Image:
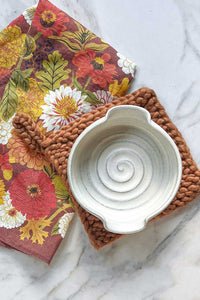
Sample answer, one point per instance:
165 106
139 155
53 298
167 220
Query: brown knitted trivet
56 147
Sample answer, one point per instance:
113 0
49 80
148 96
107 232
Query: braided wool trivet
56 147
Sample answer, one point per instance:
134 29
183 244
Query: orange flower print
33 194
23 154
30 102
98 68
3 72
49 19
11 40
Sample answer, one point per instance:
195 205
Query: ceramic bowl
124 169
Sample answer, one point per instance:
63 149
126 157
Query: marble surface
163 261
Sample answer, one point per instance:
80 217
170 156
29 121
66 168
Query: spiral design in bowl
122 170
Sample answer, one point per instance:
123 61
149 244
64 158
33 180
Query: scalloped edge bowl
124 169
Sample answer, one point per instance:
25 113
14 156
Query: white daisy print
103 96
5 130
64 223
9 216
128 67
63 106
29 13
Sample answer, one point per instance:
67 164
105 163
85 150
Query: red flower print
98 68
4 162
49 19
33 194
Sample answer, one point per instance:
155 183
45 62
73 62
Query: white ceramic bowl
124 169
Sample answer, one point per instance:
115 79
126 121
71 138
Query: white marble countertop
163 261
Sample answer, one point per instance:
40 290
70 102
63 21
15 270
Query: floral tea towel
54 70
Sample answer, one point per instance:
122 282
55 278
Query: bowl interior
124 167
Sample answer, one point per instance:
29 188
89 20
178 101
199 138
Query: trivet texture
56 147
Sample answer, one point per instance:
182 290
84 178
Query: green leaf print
53 73
9 101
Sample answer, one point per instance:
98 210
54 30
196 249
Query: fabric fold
54 70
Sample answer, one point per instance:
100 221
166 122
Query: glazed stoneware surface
161 262
124 169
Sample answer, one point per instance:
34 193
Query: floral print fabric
54 70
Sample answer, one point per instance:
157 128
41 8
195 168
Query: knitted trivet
56 147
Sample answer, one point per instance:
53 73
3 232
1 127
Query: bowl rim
146 115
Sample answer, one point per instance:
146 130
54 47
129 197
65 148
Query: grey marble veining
163 261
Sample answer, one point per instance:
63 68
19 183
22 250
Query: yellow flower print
23 154
34 230
11 41
2 191
30 102
41 128
7 174
119 90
